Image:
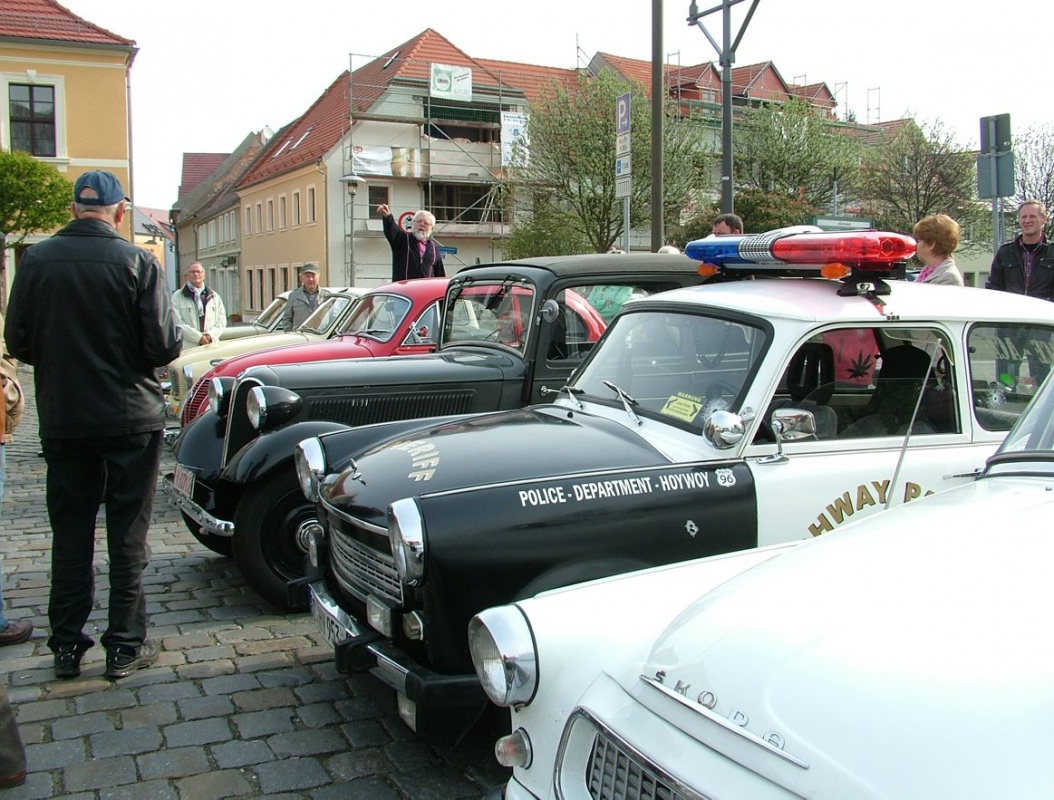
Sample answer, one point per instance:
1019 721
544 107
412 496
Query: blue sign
622 118
447 251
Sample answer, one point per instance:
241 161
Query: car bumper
209 524
359 648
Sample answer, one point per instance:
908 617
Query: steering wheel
720 388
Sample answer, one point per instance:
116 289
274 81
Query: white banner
513 132
399 162
451 83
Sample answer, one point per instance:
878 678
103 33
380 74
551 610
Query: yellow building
64 84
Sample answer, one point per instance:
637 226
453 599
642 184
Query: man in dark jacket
92 314
414 254
1025 266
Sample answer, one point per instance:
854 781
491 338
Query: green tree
760 211
1034 168
794 150
34 197
571 159
548 230
921 170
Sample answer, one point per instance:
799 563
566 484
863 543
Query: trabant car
707 420
193 362
395 319
907 656
512 334
267 321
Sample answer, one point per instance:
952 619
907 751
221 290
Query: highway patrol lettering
587 491
866 495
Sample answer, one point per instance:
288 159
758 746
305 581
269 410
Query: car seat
897 387
810 384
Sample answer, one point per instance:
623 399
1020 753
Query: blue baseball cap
98 188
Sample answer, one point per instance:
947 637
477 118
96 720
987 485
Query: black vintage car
512 335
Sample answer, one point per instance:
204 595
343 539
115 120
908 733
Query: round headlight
218 399
188 375
504 654
256 407
310 461
407 533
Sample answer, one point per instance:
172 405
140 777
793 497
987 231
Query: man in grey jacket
91 313
303 300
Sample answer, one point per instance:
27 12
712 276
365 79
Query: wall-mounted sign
451 83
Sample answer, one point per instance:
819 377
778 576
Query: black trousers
119 472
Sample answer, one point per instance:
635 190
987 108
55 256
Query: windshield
494 312
272 315
1035 428
377 316
328 312
674 366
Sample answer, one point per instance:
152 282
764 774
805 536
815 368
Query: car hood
206 354
300 353
485 450
914 644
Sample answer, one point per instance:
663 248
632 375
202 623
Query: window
296 209
311 204
251 285
32 117
248 221
463 202
378 195
281 212
260 288
270 215
259 218
1007 366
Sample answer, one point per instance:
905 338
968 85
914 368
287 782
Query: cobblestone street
243 702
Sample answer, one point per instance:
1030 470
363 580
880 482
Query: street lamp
352 181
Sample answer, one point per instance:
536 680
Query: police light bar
804 246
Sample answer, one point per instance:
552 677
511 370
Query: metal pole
993 156
658 99
625 224
351 239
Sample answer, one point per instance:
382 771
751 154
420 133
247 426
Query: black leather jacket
1008 271
91 312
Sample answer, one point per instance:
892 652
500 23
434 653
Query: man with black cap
303 300
91 313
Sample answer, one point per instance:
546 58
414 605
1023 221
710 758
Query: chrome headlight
270 406
220 395
188 375
504 654
407 533
310 461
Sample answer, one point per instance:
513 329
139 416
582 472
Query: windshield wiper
627 402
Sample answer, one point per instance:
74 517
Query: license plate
183 481
334 623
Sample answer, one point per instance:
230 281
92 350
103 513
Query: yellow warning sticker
683 407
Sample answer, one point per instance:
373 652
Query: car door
892 424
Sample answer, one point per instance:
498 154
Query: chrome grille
365 410
362 570
616 773
194 399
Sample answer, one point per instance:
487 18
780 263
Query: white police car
906 656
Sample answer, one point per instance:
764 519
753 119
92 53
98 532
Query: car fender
199 446
273 450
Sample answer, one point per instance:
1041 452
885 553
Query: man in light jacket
199 310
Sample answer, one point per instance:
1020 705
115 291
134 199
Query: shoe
11 781
16 632
68 660
123 661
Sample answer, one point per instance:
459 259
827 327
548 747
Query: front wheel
272 524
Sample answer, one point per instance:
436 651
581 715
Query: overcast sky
210 71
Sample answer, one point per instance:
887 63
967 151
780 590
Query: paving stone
353 764
360 789
153 715
223 783
203 731
55 755
81 725
264 698
307 743
228 684
264 723
105 701
202 707
145 790
241 753
291 775
177 762
317 715
100 774
125 743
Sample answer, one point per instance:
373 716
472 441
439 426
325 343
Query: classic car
708 419
193 362
904 657
395 319
267 321
512 333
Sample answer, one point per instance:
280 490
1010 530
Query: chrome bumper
209 524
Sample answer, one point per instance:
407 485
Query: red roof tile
196 168
531 79
47 20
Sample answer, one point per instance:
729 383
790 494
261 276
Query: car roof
590 264
817 300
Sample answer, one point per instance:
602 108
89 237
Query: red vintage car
395 319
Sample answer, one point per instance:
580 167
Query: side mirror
550 310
